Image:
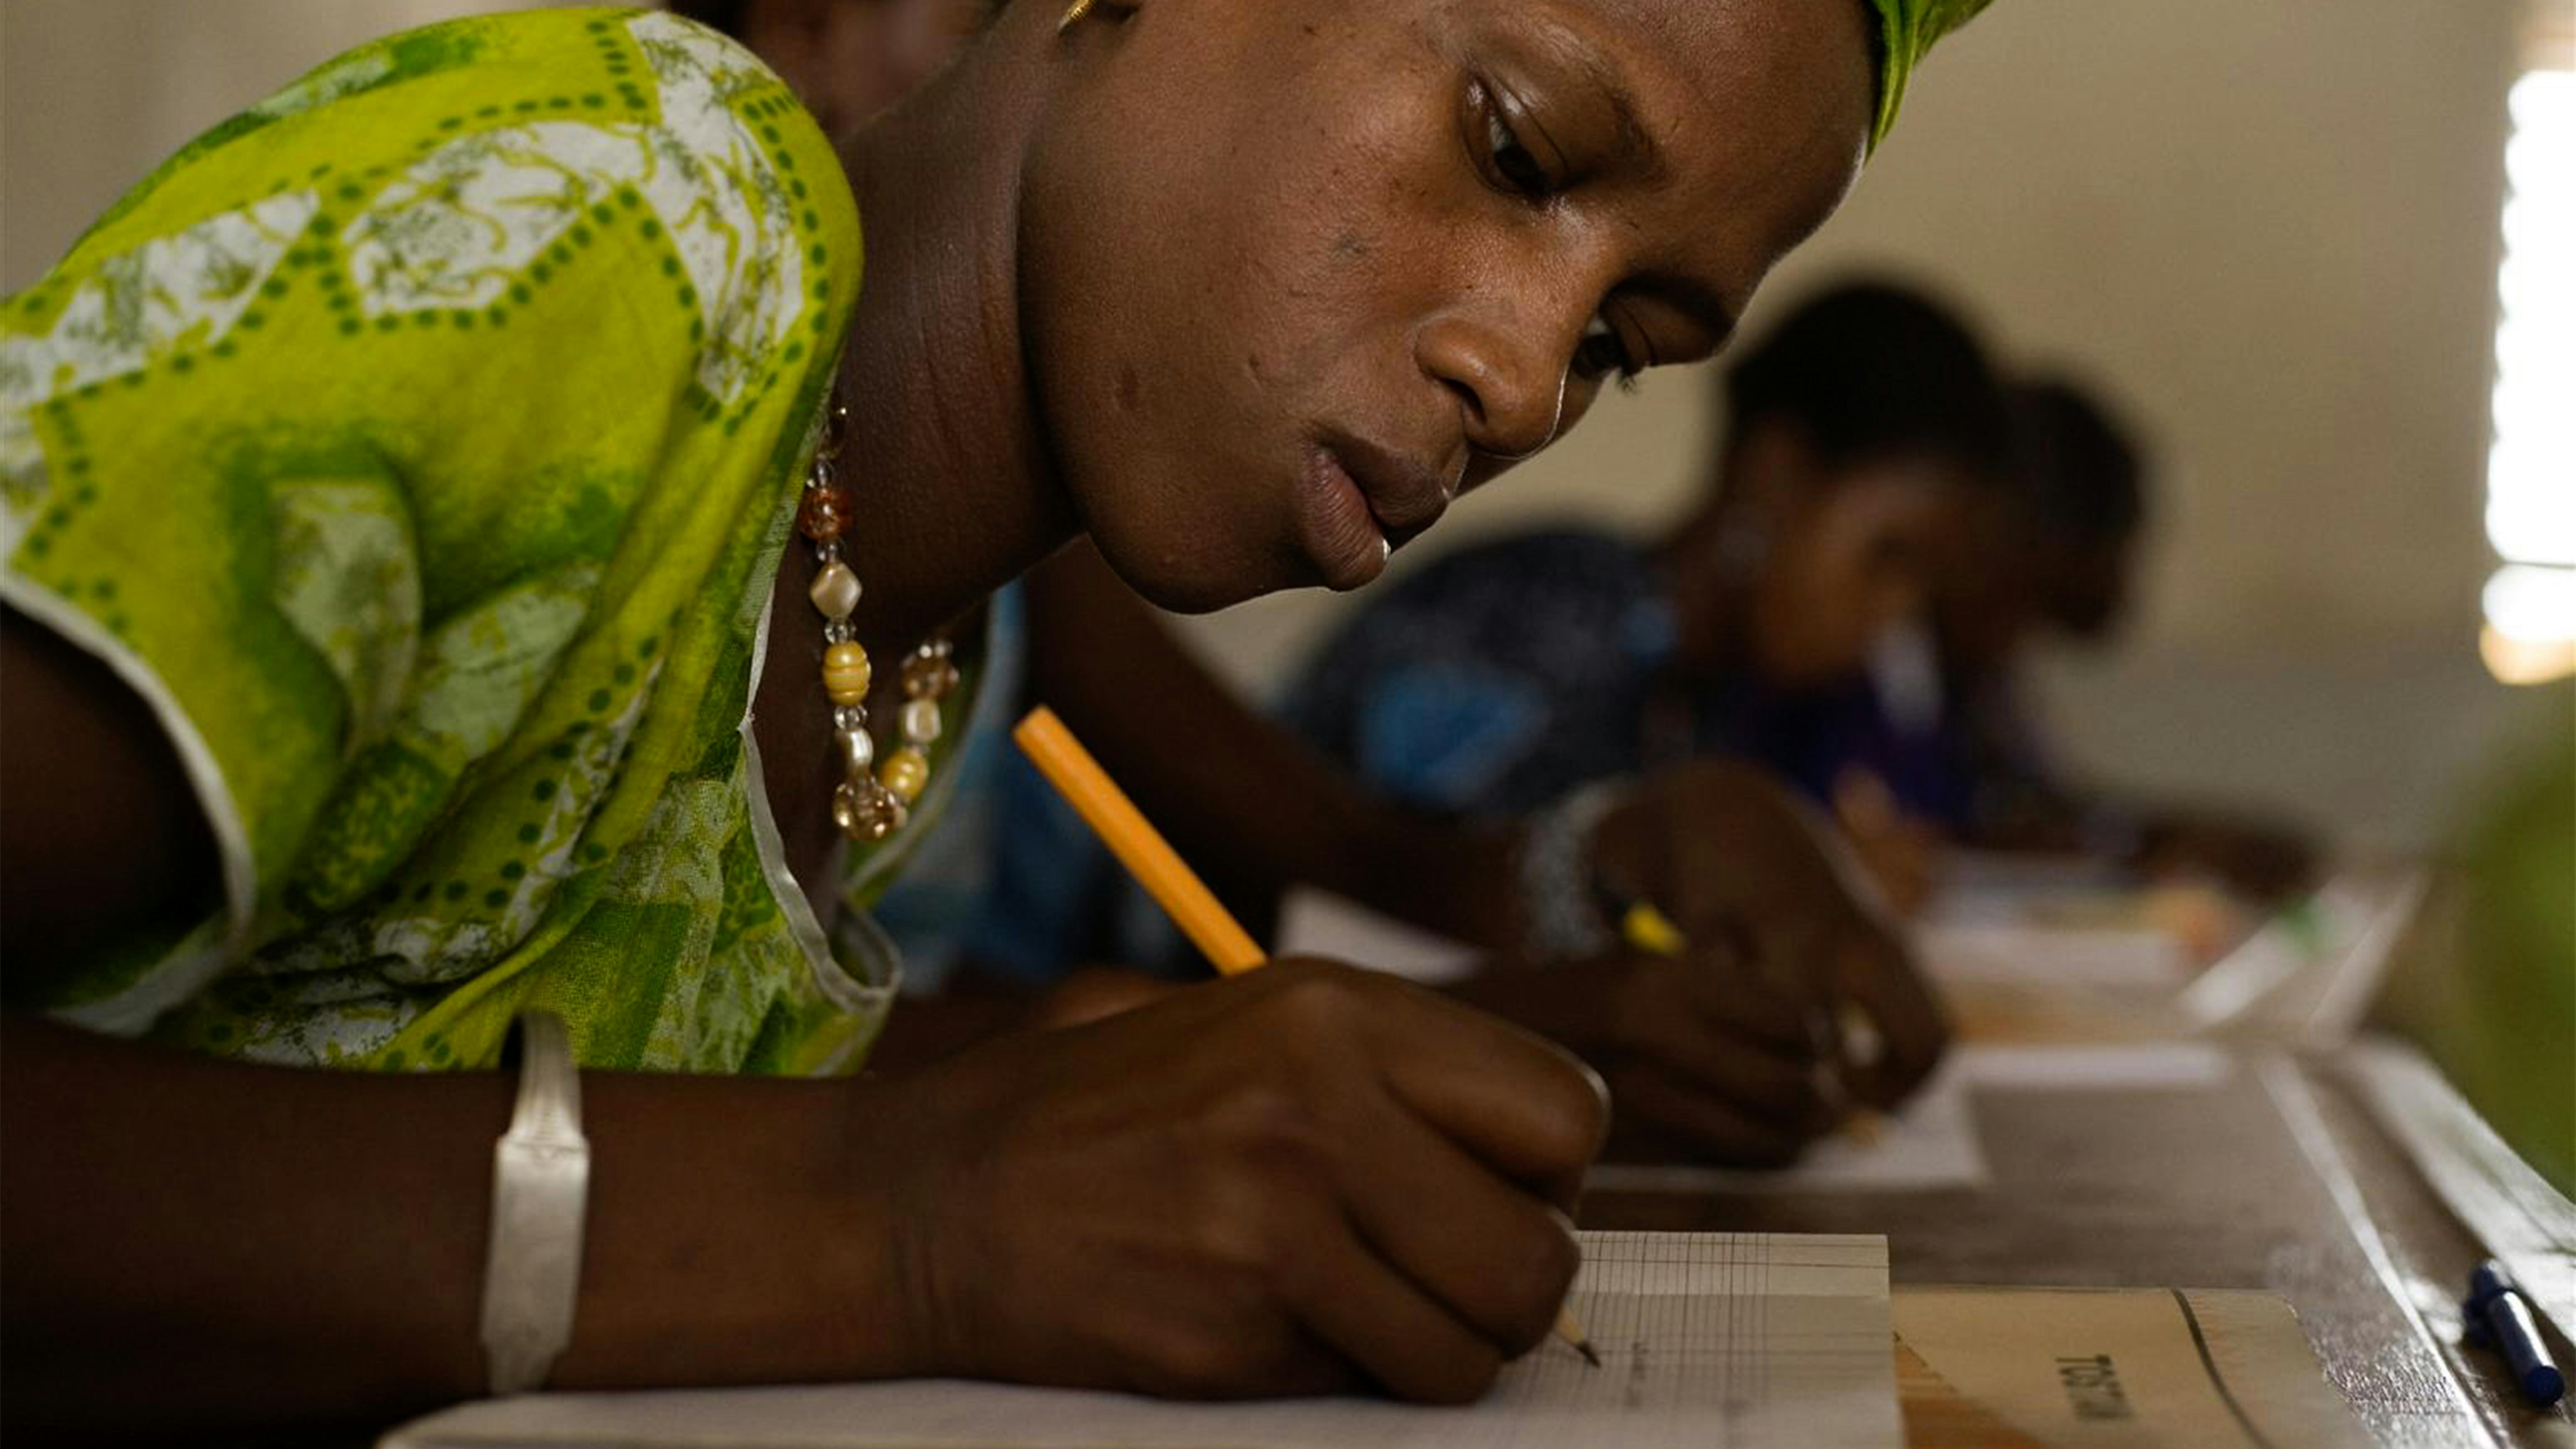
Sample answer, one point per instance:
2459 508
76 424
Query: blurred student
1501 678
1954 748
1257 811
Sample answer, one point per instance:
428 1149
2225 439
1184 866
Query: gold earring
1073 14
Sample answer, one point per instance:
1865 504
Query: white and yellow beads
874 798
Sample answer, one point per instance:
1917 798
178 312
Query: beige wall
2273 225
2270 225
93 93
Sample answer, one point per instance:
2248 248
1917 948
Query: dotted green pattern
420 445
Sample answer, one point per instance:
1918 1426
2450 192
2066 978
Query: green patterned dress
419 446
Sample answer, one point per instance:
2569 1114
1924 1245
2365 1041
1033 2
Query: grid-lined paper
1727 1339
1707 1340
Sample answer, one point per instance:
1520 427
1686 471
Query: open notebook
1707 1340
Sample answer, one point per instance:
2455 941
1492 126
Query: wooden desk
2277 1179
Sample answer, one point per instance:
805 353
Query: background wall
94 93
2267 226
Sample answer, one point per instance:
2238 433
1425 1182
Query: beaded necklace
874 798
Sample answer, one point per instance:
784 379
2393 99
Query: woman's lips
1334 524
1406 496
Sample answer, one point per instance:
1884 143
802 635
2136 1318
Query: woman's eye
1600 352
1512 161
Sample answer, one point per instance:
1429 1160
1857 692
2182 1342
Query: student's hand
1901 854
1770 899
1097 991
1704 1061
1303 1179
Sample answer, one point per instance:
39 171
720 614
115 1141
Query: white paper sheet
1928 1146
1708 1341
1319 923
2094 1067
2108 957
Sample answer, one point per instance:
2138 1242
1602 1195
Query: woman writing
404 636
999 914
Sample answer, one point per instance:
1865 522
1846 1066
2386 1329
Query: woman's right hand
1303 1179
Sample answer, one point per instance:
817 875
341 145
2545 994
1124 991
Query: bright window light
2512 661
2531 470
2532 603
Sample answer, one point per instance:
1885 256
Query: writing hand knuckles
1570 1118
1536 1276
1317 1002
1272 1131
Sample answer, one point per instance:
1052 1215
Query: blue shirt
1502 677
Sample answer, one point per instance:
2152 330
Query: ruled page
1707 1340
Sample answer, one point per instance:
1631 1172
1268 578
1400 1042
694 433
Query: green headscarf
1906 30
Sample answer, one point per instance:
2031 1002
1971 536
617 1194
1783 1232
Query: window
2530 633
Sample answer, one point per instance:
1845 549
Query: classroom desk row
2277 1177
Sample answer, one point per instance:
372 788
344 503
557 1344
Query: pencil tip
1585 1348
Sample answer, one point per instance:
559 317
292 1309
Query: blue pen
2499 1316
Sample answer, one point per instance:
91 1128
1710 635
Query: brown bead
867 811
927 676
820 516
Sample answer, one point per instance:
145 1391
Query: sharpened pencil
1137 844
1571 1330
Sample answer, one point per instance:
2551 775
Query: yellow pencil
1137 844
1649 930
1164 875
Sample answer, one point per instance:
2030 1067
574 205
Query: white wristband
540 1190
